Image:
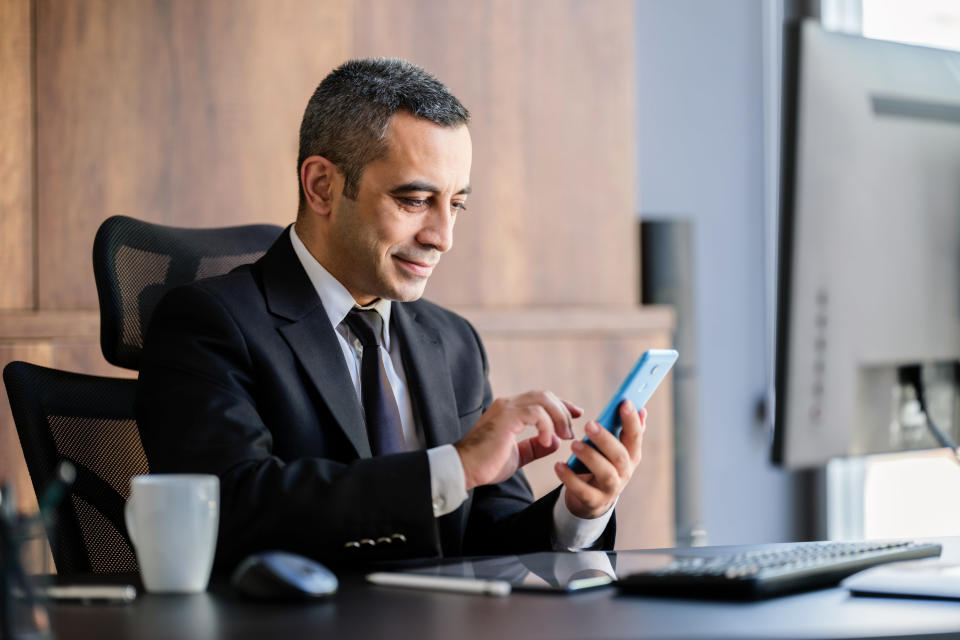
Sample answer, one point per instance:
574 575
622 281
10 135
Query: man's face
386 243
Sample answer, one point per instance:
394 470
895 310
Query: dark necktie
384 428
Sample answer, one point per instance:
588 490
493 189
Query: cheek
357 242
396 232
379 230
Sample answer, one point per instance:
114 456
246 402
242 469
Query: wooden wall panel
16 155
158 110
550 87
177 112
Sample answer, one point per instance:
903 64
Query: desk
365 611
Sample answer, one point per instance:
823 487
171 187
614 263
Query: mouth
415 267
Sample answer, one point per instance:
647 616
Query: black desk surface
361 610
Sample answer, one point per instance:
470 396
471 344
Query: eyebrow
417 185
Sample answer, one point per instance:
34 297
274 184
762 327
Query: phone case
637 387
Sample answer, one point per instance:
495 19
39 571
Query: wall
701 158
187 113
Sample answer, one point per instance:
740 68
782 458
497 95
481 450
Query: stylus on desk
441 583
91 593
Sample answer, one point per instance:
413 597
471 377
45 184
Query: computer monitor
869 274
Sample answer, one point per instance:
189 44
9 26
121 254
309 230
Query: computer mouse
280 575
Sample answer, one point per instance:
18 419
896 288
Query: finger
634 425
536 415
559 417
578 485
605 475
531 449
574 410
611 448
562 420
565 414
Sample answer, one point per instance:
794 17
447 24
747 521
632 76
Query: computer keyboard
771 571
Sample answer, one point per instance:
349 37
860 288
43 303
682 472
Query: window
934 23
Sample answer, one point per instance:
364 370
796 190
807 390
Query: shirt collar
336 300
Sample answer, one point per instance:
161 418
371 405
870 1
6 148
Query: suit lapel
315 344
428 375
291 295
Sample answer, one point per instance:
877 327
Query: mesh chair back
136 262
87 420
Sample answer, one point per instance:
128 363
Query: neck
314 242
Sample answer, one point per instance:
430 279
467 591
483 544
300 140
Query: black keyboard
770 571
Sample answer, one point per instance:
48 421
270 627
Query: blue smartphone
639 385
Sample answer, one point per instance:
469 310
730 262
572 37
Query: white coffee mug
172 520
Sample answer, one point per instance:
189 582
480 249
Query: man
347 419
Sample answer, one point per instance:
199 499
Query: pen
441 583
119 594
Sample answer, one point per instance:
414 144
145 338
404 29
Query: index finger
565 411
634 424
559 414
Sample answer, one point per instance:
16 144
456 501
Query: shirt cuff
572 533
448 485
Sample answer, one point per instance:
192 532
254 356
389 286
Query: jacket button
368 542
384 540
399 537
353 544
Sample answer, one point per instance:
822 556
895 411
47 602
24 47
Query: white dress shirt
447 481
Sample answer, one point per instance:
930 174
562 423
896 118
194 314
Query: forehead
420 149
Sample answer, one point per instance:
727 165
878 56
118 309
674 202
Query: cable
911 375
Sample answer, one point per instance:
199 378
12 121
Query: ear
321 180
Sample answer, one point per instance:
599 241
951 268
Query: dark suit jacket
242 376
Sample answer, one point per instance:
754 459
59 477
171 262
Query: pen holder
24 566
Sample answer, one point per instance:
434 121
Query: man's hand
590 495
490 452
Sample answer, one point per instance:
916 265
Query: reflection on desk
533 571
362 610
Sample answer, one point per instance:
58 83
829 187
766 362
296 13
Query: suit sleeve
504 518
197 410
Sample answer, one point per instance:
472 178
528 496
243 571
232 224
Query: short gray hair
347 116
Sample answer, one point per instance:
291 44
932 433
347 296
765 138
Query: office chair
87 420
136 262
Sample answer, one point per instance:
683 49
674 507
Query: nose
437 231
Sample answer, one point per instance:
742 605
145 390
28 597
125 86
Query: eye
459 206
412 204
